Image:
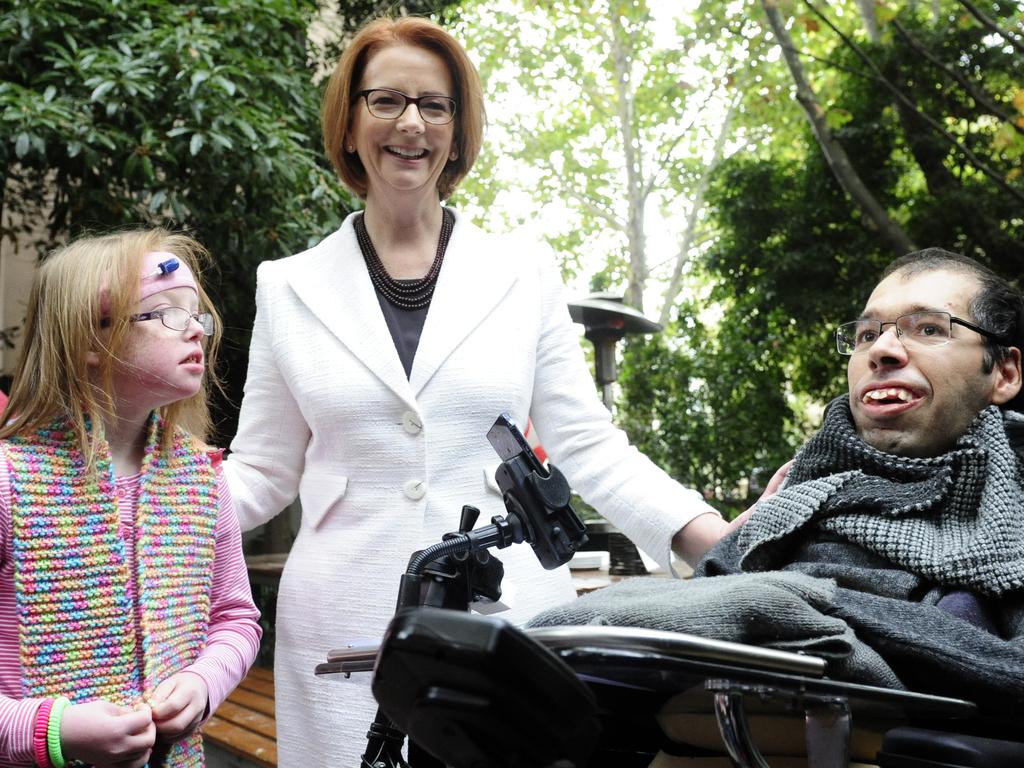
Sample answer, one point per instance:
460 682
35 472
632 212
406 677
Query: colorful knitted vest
71 575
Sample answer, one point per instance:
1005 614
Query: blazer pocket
318 495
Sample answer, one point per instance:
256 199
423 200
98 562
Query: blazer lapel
473 280
334 284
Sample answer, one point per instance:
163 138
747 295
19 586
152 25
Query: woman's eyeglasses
391 105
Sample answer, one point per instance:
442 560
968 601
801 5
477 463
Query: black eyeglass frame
205 319
1001 340
364 95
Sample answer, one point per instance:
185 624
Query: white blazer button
411 422
415 489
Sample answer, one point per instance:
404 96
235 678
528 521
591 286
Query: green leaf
156 201
225 84
247 129
21 145
884 13
102 90
49 93
837 117
220 140
198 78
196 143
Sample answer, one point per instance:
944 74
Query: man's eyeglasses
924 329
177 318
391 105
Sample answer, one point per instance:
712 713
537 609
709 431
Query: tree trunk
696 205
635 188
867 13
835 155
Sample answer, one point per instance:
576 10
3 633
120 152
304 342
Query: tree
613 136
949 96
711 403
929 112
838 160
203 116
624 126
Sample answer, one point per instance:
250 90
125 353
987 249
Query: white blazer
382 464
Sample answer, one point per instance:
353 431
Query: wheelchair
473 691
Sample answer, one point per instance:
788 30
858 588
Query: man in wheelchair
895 548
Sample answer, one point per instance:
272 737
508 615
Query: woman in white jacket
380 358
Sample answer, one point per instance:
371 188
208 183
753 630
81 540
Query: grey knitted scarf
953 519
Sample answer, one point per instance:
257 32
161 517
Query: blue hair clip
164 268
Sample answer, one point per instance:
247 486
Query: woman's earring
453 155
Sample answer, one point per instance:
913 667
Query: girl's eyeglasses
177 318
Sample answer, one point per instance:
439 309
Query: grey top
406 326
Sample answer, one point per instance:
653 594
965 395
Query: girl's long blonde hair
87 282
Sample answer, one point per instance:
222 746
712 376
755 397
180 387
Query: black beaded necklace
405 294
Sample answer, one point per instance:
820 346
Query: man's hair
998 307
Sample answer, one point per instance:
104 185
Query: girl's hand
107 736
179 703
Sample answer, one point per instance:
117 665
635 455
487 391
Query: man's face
915 400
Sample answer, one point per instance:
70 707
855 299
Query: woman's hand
107 736
770 490
179 703
703 532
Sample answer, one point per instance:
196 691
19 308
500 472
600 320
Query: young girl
125 611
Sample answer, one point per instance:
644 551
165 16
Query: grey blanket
787 611
874 542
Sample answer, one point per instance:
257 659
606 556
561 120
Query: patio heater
606 320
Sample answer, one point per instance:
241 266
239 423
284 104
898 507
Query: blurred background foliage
689 156
195 115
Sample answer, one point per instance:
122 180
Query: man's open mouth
888 395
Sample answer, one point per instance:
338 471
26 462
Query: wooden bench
242 732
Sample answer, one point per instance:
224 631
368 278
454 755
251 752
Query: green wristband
53 732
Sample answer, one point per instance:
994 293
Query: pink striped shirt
234 634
